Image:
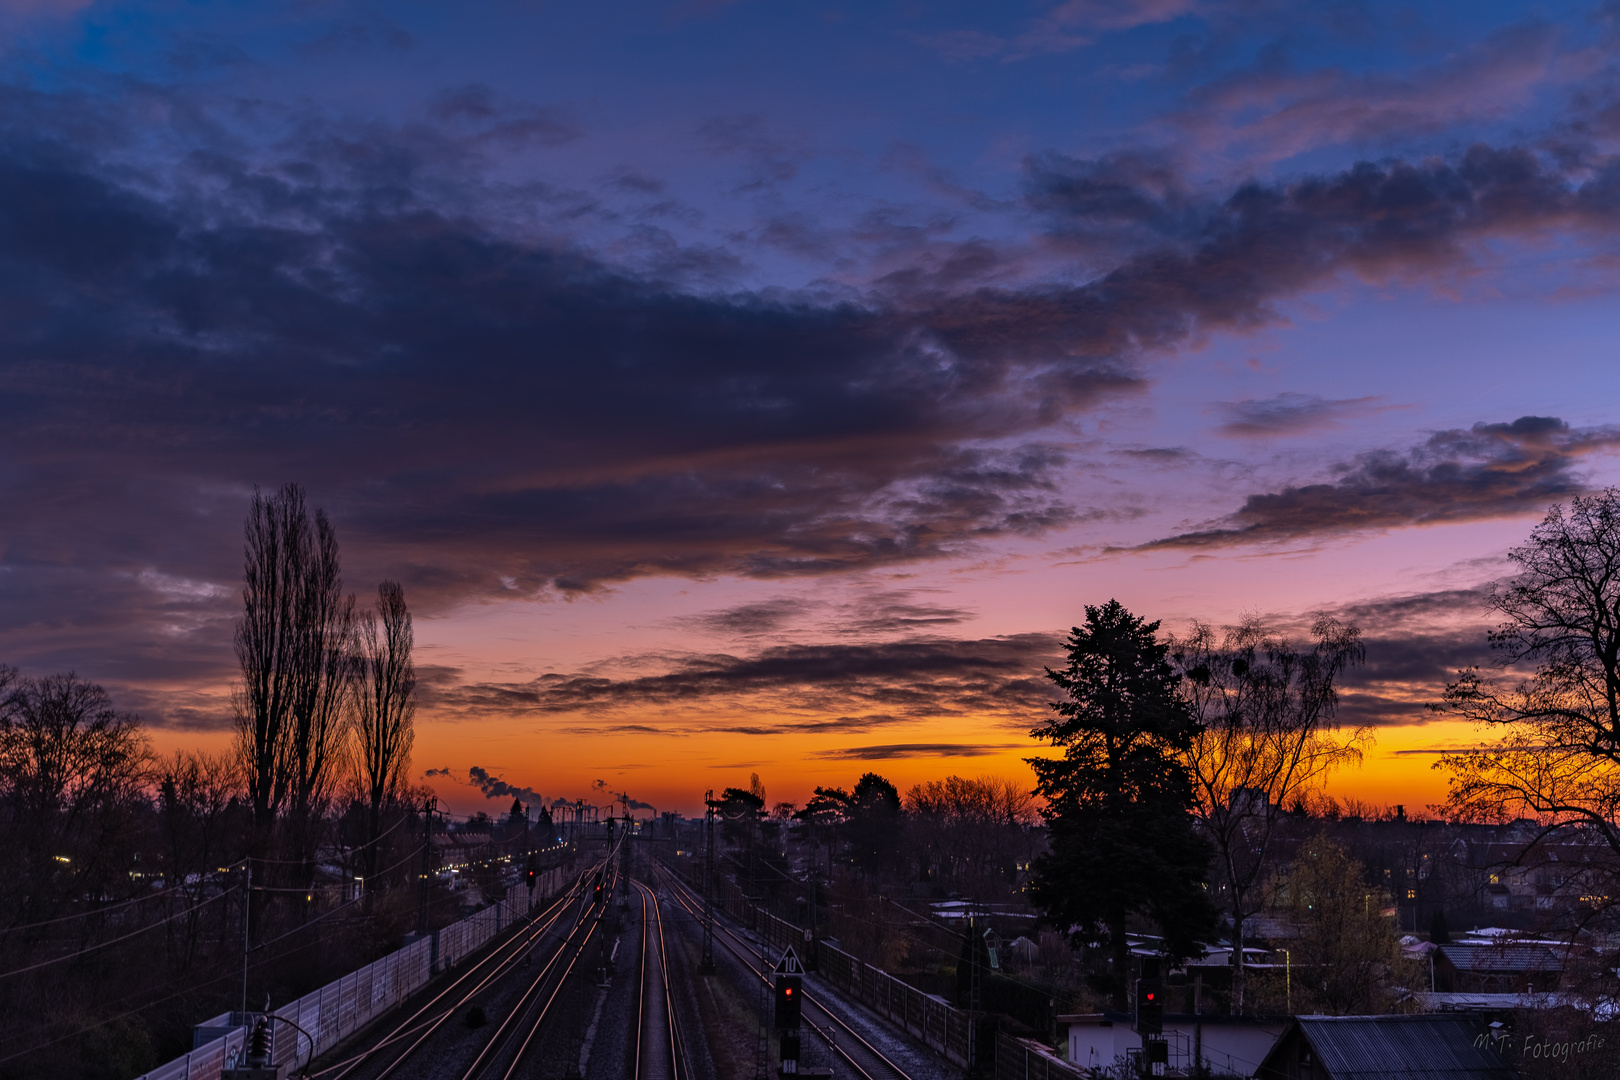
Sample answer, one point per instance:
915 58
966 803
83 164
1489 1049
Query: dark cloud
1489 470
1095 198
898 612
1224 265
1289 414
831 684
1161 455
771 159
488 414
760 617
475 111
889 751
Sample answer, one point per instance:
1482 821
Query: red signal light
788 991
1150 995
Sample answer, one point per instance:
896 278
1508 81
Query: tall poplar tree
295 645
1123 843
385 707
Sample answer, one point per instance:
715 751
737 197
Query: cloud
815 687
492 412
759 617
890 751
1072 24
474 112
897 611
1487 471
1290 414
1274 110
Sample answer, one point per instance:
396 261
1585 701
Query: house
1505 966
1417 1047
1226 1044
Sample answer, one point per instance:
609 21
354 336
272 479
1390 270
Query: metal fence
938 1025
1025 1059
339 1009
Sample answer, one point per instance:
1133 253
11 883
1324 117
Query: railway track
421 1045
659 1053
842 1039
508 1048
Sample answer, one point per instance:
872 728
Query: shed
1505 967
1418 1047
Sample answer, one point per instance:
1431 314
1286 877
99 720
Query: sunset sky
766 387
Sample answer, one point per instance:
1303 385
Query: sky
745 387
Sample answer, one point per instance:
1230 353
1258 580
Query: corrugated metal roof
1502 957
1403 1048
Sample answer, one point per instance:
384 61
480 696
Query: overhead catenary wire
360 847
413 853
86 914
234 973
116 940
256 964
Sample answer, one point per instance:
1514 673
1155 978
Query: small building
1230 1045
1500 967
1417 1047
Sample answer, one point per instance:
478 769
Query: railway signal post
789 993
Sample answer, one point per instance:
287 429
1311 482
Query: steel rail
545 1010
501 1041
504 1036
499 961
675 1064
680 1066
503 958
745 953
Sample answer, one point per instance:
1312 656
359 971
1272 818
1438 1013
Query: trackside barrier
937 1024
339 1009
929 1019
1026 1059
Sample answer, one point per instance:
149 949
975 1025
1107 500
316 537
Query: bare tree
1346 958
71 771
1559 761
1266 739
198 797
275 550
295 647
973 831
385 709
326 672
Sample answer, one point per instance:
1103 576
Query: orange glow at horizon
671 772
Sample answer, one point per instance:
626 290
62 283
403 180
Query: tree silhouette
1122 840
1265 740
1557 691
384 706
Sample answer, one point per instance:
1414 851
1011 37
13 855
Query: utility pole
624 863
706 967
427 860
974 991
247 907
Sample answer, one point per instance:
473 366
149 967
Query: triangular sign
789 964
